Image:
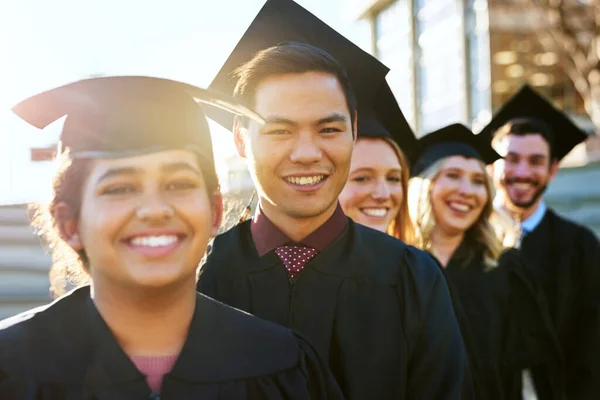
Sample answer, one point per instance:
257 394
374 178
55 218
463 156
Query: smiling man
376 309
299 157
564 256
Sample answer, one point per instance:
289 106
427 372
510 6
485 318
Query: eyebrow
335 117
538 156
280 120
118 172
371 169
462 170
535 155
179 166
169 168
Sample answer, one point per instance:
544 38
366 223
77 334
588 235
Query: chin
310 209
457 229
519 203
162 279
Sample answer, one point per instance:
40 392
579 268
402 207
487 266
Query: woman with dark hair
503 318
135 202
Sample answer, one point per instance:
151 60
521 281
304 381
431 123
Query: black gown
564 258
65 351
378 310
505 324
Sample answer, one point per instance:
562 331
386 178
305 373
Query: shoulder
513 265
375 239
511 258
567 226
246 340
409 264
574 238
248 326
235 234
220 251
39 333
28 323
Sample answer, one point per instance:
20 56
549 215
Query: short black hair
289 58
528 126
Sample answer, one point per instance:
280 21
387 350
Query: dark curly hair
71 268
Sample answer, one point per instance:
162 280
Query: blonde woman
504 322
376 192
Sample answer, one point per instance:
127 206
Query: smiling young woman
375 194
504 321
135 203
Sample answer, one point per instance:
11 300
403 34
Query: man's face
526 170
300 158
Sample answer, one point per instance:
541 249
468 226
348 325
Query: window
394 47
441 64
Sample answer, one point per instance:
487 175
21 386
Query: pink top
155 368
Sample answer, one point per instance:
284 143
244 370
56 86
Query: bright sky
45 43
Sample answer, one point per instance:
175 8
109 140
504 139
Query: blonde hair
402 226
490 234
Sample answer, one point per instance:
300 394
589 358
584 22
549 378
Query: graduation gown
564 258
376 309
505 324
65 351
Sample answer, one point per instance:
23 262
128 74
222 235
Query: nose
521 170
382 191
306 150
154 209
466 188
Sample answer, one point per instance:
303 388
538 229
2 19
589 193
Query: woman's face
373 193
145 221
459 194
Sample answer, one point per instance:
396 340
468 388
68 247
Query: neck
443 245
521 214
296 228
133 314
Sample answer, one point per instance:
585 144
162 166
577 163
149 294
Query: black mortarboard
526 103
452 140
121 116
381 117
282 21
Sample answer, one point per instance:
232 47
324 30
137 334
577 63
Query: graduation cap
281 21
452 140
122 116
381 117
526 103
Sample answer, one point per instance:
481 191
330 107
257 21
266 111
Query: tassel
248 208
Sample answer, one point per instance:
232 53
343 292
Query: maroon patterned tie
295 257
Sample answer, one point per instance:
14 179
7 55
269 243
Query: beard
539 192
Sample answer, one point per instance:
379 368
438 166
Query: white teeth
522 186
375 212
306 180
460 207
154 241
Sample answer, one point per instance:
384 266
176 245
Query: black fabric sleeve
438 367
583 354
321 383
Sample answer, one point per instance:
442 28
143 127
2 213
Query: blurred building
459 60
237 182
24 263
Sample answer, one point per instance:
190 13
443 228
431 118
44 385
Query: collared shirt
534 220
267 237
530 223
